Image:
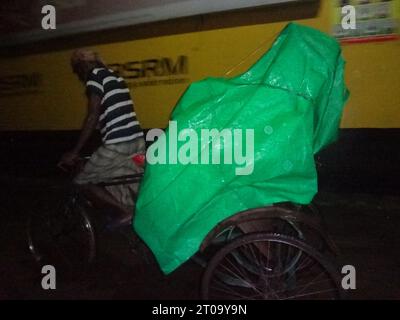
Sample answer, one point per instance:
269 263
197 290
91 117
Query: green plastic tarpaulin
290 102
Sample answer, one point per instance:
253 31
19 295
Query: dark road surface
364 226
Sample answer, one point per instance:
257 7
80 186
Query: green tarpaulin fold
268 124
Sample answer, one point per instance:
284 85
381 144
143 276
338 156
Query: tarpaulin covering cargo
239 143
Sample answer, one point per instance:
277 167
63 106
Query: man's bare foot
119 222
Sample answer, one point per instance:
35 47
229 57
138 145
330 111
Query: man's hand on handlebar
68 160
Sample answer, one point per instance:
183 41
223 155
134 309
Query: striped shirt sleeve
94 85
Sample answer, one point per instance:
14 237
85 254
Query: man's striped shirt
118 122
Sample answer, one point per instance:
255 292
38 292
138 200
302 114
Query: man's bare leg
101 198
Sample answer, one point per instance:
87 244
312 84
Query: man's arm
88 127
90 123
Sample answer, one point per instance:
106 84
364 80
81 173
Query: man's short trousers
110 161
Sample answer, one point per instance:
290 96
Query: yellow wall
372 74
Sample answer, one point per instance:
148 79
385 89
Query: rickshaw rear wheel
266 266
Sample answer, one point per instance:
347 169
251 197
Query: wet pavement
364 226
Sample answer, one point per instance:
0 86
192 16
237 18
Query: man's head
83 61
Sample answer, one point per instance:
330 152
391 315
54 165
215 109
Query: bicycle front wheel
62 236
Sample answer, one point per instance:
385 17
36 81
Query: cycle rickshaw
280 251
